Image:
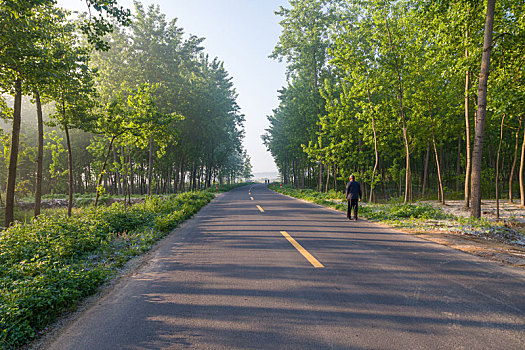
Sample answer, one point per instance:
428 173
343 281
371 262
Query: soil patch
509 212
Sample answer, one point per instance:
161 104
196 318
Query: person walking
352 194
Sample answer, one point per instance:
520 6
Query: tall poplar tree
481 112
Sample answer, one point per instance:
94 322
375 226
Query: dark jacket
353 190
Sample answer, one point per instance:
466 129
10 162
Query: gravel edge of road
493 251
52 331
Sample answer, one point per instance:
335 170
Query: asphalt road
230 279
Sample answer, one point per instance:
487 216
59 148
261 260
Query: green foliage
378 212
152 89
372 85
48 265
169 221
331 198
404 211
163 94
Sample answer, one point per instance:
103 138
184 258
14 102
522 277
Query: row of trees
393 91
124 104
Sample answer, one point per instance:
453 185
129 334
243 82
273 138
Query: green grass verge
49 264
80 201
420 217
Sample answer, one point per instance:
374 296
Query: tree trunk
182 176
468 165
438 167
194 177
126 185
150 164
295 177
458 165
497 166
320 187
310 176
40 154
375 147
408 177
118 184
101 176
131 176
177 177
302 175
513 168
13 156
70 171
522 166
125 172
327 177
335 177
400 184
425 171
200 179
482 109
440 182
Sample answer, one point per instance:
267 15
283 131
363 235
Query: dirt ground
508 212
503 253
511 214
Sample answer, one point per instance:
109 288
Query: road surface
258 270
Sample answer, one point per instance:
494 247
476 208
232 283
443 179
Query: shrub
393 211
49 264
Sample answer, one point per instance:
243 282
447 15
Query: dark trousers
352 203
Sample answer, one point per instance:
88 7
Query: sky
242 34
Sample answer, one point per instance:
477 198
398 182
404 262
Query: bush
48 265
404 211
395 211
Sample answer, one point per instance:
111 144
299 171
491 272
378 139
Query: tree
481 112
23 30
21 54
304 43
75 95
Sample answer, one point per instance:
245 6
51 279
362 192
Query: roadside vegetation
55 205
398 93
49 264
118 102
418 216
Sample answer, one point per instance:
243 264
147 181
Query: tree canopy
376 84
131 104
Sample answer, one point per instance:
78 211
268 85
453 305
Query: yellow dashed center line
260 209
301 250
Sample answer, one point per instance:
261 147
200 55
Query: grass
418 217
82 201
48 265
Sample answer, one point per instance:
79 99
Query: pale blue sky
242 33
